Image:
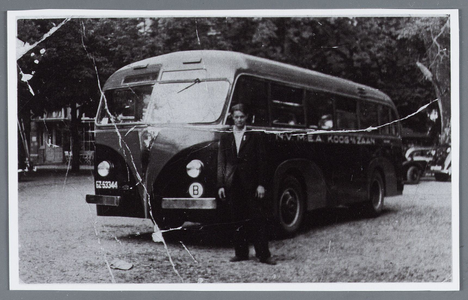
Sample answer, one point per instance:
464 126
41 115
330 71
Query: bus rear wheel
376 195
290 206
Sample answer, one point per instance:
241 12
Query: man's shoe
237 258
268 261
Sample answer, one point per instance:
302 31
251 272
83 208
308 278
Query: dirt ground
61 240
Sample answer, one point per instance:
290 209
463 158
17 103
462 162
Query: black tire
413 175
291 206
375 196
441 177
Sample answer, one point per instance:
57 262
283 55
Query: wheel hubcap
289 206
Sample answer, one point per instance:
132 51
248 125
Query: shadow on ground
220 235
212 236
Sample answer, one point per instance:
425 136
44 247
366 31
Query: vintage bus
329 141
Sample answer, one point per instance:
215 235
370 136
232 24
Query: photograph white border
15 282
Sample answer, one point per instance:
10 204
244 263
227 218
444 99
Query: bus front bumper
167 203
103 200
188 203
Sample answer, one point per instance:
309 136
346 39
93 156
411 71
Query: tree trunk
75 138
444 115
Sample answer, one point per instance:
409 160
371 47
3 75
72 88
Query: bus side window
252 92
394 127
319 110
368 114
346 113
384 117
287 107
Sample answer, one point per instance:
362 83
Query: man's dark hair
240 107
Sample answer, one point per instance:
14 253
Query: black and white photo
149 150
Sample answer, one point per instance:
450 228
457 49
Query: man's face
239 119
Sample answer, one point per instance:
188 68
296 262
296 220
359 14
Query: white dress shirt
238 135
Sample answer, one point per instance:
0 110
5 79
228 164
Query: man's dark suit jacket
248 166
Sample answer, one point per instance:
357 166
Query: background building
50 138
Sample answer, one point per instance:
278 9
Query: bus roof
228 64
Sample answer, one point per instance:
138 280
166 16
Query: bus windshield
188 102
125 105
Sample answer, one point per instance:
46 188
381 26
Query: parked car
442 165
417 161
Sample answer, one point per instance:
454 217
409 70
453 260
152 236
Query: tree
435 64
66 70
64 76
69 66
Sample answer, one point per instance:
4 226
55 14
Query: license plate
436 168
106 184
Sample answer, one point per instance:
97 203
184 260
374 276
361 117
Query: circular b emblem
196 190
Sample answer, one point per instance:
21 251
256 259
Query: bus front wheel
165 220
376 195
290 206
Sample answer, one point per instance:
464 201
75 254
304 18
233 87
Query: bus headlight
194 168
104 168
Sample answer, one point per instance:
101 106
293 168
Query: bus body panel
226 64
117 145
333 167
172 150
169 144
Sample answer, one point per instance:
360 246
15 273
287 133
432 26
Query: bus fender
387 170
310 175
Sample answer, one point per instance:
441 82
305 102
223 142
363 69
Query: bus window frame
229 103
214 79
367 101
145 120
356 112
98 121
306 106
301 104
269 81
382 129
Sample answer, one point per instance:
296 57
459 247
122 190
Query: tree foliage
434 34
381 52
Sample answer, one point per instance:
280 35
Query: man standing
241 183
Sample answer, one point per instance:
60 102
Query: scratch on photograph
233 150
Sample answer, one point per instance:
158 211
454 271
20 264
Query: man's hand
222 193
260 193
